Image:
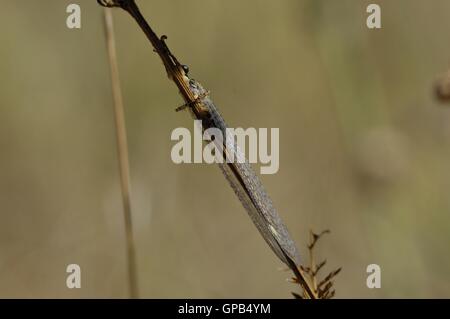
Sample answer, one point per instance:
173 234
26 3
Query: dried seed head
442 88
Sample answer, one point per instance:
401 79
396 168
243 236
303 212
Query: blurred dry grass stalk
442 87
122 151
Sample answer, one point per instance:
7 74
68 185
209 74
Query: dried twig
122 151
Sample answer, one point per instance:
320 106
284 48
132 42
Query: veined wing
247 186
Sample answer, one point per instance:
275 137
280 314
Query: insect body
239 174
244 181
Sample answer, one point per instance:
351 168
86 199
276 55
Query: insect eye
185 68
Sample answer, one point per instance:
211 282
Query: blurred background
364 147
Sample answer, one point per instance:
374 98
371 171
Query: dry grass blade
122 151
297 296
329 277
319 266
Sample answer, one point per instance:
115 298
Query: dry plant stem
323 289
122 150
200 108
312 262
301 278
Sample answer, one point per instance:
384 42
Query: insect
240 175
243 180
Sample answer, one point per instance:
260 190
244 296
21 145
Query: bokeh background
365 147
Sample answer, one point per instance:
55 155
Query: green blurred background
365 148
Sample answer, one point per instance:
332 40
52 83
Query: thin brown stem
122 151
312 262
300 277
